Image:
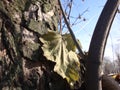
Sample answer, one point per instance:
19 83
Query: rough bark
97 46
22 64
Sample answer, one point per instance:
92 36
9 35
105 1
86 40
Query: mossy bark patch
31 51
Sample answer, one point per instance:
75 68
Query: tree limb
97 45
71 32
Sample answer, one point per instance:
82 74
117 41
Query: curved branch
97 46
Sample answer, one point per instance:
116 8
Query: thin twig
71 32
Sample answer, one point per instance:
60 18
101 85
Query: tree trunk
97 46
22 64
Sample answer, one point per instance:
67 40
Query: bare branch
71 32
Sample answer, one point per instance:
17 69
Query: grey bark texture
22 64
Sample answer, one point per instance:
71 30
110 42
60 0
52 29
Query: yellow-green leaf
70 43
55 49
